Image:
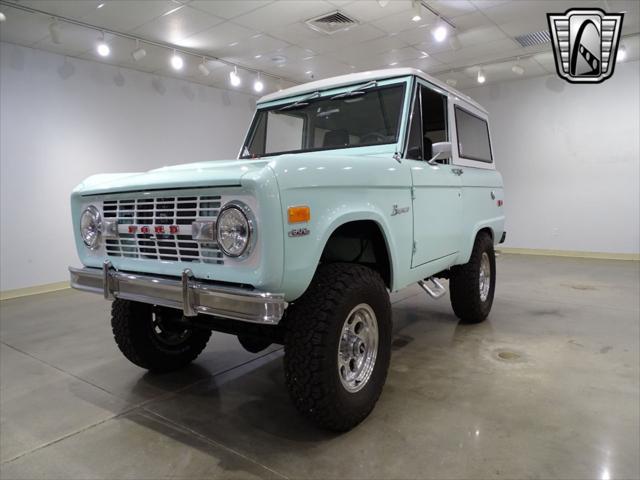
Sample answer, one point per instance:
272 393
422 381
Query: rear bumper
188 295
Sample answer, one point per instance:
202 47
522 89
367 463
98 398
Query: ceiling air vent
331 23
534 38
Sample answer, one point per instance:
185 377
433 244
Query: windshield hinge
397 158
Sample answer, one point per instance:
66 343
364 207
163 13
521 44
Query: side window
286 132
434 121
414 145
473 137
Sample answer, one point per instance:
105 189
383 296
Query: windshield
358 118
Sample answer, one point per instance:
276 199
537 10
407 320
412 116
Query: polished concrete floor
547 388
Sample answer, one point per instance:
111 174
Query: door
437 189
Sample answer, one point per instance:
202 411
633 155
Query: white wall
60 125
569 155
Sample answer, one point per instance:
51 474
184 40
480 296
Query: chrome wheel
485 276
358 348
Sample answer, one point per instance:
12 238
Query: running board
435 290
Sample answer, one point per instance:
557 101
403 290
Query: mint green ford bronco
345 189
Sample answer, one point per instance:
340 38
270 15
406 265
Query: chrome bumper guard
188 295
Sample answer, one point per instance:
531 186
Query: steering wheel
373 136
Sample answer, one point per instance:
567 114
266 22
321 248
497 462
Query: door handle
457 171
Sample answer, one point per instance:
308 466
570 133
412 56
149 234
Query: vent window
331 23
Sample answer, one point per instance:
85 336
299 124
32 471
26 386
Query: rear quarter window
473 137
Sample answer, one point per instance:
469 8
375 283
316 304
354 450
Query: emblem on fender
299 232
398 210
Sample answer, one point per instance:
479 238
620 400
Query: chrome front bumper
188 295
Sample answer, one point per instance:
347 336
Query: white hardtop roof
360 77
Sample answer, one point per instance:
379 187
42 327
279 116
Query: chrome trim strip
184 294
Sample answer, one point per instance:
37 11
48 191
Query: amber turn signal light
299 214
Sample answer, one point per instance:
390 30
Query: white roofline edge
352 78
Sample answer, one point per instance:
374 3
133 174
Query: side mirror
439 151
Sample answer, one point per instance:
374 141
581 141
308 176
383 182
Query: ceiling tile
480 35
368 49
478 53
256 44
175 27
452 8
124 16
283 13
64 8
471 20
297 33
218 37
402 21
228 8
23 28
369 10
356 34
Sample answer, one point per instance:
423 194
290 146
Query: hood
224 173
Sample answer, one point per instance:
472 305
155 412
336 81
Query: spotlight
439 32
139 53
452 82
234 78
102 48
54 31
3 17
417 14
481 77
176 61
258 86
622 54
204 70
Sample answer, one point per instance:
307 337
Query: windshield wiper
356 91
300 103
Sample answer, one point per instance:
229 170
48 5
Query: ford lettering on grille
160 228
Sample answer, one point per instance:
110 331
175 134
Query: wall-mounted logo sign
585 43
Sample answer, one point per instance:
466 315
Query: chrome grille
160 211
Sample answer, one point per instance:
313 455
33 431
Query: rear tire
473 284
338 345
154 337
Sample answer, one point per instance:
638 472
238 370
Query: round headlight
233 230
91 226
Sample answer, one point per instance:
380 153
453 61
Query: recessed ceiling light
308 58
233 44
308 72
100 5
518 69
481 77
279 59
393 64
3 17
257 56
424 54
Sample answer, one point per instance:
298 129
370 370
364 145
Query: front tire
154 337
473 284
338 345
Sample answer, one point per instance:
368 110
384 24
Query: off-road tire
132 325
313 331
464 283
